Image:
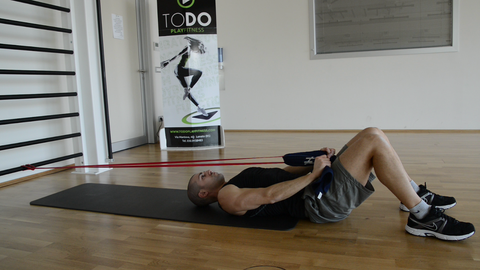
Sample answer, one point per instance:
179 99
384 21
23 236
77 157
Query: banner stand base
163 143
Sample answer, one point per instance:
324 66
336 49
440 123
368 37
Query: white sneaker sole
445 207
428 233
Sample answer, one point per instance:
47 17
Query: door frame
144 56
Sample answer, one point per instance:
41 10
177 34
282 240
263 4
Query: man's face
209 180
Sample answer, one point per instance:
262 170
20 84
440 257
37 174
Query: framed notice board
351 28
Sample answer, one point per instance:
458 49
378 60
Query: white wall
272 84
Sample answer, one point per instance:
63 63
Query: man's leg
431 198
371 149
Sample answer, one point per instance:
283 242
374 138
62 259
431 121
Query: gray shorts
344 195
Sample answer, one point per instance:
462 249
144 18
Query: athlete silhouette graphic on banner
182 71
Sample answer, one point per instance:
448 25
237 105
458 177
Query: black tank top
265 177
184 59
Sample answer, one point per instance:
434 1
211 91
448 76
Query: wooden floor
373 237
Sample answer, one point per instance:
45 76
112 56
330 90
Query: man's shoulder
227 193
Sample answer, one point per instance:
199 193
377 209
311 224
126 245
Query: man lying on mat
273 191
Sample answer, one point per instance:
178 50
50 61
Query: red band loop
29 167
191 163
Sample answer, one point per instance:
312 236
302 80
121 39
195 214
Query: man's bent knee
373 130
374 137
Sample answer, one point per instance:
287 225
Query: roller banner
189 68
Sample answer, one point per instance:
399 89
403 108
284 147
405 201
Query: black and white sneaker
442 202
439 225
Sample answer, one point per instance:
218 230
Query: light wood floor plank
372 237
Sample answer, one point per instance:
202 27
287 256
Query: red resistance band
192 163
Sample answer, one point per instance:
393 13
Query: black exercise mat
170 204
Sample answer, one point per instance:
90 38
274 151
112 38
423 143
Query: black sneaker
439 225
442 202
